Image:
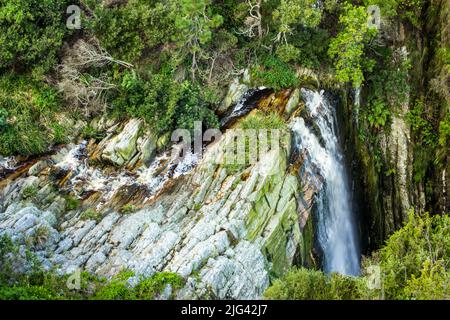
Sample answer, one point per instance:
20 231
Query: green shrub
40 235
33 292
128 208
407 9
117 288
421 125
348 288
413 265
31 33
275 74
148 288
347 48
3 118
417 256
164 103
27 116
128 30
90 132
91 214
30 192
288 53
378 114
72 203
304 284
300 284
58 133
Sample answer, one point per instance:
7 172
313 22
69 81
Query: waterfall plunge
336 228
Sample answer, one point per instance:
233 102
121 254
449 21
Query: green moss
72 203
91 214
127 209
30 192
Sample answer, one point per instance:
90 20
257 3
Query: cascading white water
336 228
8 163
153 178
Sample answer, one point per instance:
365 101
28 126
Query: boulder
235 92
122 147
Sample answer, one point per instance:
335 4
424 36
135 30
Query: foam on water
336 227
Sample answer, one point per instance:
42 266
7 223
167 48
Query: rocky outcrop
123 147
225 230
236 91
398 171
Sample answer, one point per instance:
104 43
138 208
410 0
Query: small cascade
7 165
164 168
336 230
85 179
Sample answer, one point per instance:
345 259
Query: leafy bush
27 116
90 132
72 203
378 114
31 33
128 208
30 192
275 74
347 49
148 288
127 31
288 53
408 9
118 287
421 126
164 103
300 284
304 284
91 214
426 137
312 44
414 260
413 264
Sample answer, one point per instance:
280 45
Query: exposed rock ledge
224 232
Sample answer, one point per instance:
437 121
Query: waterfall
336 230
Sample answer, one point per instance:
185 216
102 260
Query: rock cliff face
390 193
223 229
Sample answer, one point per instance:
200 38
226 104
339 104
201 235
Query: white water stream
336 227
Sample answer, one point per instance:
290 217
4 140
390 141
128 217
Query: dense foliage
38 284
31 34
168 62
348 47
28 116
413 264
